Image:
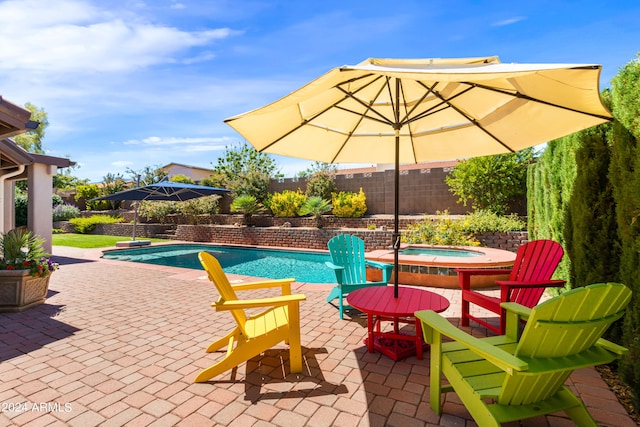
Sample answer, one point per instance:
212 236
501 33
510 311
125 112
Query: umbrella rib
347 94
368 107
440 107
407 113
471 120
406 118
540 101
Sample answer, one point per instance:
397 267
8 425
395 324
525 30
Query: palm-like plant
316 206
248 206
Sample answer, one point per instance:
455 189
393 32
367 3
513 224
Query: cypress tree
549 195
625 175
590 227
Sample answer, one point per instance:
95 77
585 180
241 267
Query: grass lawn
91 240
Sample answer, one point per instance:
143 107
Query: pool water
266 263
440 252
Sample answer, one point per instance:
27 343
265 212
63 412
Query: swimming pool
266 263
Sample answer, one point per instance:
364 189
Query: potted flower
25 270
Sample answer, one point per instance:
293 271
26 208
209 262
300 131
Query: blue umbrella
163 191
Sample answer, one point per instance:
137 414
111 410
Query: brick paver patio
119 344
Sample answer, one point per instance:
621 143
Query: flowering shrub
65 212
349 205
439 231
287 204
22 250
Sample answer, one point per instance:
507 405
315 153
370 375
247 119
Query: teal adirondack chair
349 265
507 378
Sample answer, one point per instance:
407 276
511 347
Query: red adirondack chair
531 274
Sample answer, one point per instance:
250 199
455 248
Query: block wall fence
422 191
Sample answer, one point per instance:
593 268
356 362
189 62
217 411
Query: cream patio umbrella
419 110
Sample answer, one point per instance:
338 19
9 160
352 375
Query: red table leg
370 329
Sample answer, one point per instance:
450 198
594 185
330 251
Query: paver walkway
119 344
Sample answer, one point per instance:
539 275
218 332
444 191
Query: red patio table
380 305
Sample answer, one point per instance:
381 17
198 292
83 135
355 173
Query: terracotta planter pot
19 290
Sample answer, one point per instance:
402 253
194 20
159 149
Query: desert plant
316 206
248 206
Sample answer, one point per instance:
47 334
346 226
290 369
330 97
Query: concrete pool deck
119 343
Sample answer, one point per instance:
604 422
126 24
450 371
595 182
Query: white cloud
75 36
509 21
122 163
155 141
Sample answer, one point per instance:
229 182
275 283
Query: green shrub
182 178
56 200
21 209
439 231
200 206
157 212
65 212
87 225
287 204
484 221
91 191
349 205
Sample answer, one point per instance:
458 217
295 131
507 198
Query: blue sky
129 84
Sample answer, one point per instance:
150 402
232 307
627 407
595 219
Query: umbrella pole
396 205
135 220
135 211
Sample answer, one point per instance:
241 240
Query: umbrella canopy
418 110
163 191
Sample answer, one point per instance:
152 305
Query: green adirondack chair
507 378
349 266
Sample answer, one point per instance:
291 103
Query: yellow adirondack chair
506 378
256 333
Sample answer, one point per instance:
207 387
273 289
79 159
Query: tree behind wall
491 183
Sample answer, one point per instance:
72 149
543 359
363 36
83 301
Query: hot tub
434 266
